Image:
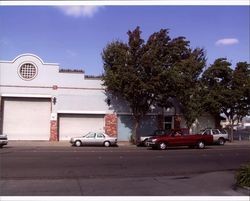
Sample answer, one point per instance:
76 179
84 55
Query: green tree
241 89
151 73
133 70
227 90
187 65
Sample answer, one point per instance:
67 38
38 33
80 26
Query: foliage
154 72
241 88
185 78
134 69
243 176
227 90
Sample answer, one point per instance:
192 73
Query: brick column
111 125
53 131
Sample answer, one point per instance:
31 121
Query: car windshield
87 134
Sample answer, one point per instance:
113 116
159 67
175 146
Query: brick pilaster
111 125
53 131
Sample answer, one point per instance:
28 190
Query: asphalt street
120 171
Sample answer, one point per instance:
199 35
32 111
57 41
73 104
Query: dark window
167 122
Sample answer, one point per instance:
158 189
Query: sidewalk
41 143
238 143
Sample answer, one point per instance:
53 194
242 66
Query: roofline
80 112
29 54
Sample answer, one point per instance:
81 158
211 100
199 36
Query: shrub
243 176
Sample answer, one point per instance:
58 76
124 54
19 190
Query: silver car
94 138
219 136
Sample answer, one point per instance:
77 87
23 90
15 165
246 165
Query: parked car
179 139
3 140
219 136
144 139
94 138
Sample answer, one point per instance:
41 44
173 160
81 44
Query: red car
177 138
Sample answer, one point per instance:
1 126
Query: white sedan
94 138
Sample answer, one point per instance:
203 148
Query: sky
74 36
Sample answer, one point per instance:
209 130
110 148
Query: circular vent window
27 71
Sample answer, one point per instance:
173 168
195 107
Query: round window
27 71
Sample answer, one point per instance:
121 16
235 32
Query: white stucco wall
74 94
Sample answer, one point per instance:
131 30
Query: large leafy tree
185 74
151 73
133 70
241 89
227 90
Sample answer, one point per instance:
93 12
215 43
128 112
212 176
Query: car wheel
162 146
145 142
221 141
78 143
200 145
106 144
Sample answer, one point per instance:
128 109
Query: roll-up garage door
71 125
26 118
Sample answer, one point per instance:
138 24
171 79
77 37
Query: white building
40 101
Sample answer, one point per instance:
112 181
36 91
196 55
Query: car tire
145 142
106 144
78 143
162 146
200 145
221 141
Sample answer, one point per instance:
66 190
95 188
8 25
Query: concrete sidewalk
238 143
41 143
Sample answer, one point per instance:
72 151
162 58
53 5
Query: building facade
41 101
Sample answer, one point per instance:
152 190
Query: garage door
125 127
77 125
26 118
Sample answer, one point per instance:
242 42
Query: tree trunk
134 132
217 118
231 133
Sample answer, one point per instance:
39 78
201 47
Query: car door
216 134
90 139
99 138
174 140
